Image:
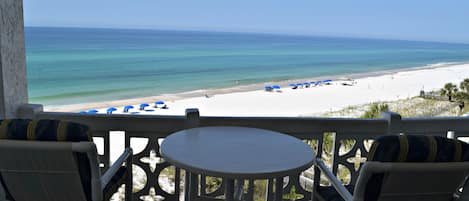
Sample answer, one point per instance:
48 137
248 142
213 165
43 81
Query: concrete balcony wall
13 83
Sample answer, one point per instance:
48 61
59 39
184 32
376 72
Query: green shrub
375 110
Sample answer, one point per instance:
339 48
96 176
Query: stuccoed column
13 84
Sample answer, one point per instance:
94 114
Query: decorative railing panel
342 142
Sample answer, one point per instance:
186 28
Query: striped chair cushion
404 148
43 130
413 148
51 130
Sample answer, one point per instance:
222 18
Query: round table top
237 152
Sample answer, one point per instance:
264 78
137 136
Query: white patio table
234 153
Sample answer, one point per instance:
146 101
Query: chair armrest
125 156
339 187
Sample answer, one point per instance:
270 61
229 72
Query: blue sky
428 20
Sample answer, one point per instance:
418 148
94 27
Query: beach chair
404 168
55 160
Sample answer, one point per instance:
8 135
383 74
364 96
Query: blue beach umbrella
158 103
128 107
293 86
306 84
268 88
143 106
300 85
327 81
276 88
93 111
312 83
110 110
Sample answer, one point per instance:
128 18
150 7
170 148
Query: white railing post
394 122
192 117
13 83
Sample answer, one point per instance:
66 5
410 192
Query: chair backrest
413 168
48 160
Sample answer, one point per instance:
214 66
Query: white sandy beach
307 101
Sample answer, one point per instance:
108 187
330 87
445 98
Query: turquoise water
76 65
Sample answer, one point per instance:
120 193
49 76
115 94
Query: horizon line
250 32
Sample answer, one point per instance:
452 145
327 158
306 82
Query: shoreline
252 88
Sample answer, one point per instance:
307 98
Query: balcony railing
344 142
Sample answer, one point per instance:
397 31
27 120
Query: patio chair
55 160
404 168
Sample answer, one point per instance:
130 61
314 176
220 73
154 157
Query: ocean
80 65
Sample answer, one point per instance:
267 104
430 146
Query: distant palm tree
449 90
464 85
461 97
